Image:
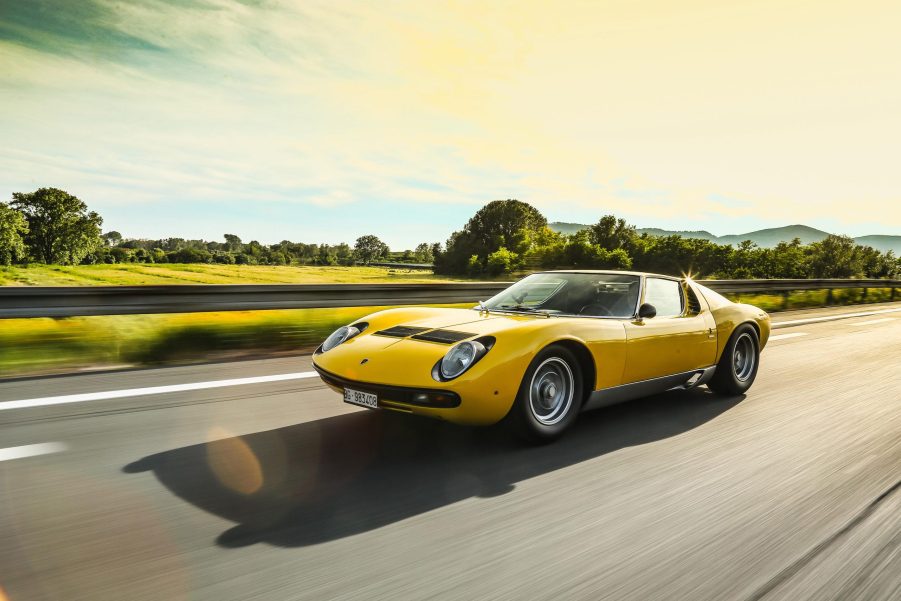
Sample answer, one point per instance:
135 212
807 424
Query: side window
665 295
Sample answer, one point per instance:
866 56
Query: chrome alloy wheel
551 391
744 357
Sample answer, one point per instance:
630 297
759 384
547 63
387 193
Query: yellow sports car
549 346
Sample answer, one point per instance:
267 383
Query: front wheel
550 396
737 368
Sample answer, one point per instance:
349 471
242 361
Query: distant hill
773 236
566 228
766 238
656 231
883 243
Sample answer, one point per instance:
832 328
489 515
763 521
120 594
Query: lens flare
233 462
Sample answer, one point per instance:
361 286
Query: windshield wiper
523 308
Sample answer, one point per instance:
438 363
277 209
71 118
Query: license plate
363 399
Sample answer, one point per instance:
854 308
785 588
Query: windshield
588 294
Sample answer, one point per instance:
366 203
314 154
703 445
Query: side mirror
646 311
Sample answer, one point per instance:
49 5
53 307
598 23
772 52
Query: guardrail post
892 295
785 295
829 298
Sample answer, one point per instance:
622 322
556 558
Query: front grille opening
443 336
401 331
396 395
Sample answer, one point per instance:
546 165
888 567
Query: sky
322 121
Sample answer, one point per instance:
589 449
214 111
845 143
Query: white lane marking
798 322
871 322
784 336
32 450
131 392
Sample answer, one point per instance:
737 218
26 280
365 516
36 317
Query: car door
680 338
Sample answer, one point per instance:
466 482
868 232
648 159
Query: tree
612 233
501 261
502 222
326 255
142 255
12 227
254 249
191 255
345 254
369 248
836 257
511 224
120 255
233 243
223 258
786 260
746 261
423 253
60 227
113 238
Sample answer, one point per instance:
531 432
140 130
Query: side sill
636 390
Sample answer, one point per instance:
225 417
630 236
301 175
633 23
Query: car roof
613 272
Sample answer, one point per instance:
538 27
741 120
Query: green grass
813 298
44 345
140 274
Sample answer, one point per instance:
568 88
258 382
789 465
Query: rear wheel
737 368
550 396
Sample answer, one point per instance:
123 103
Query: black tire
550 396
738 366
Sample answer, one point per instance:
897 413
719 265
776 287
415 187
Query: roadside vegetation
505 237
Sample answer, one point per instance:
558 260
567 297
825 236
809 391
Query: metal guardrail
763 286
131 300
414 266
128 300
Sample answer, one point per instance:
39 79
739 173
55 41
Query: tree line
510 236
52 226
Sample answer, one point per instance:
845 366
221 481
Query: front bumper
397 371
393 397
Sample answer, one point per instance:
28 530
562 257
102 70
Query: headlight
342 334
460 358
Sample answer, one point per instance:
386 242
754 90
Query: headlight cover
341 335
460 358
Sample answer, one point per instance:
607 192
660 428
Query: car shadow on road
335 477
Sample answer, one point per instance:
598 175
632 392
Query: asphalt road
277 490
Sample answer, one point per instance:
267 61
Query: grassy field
140 274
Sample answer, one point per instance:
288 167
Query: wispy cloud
664 113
